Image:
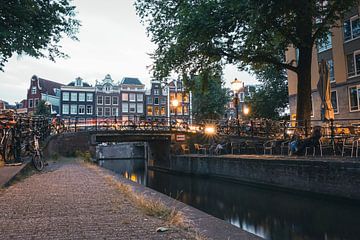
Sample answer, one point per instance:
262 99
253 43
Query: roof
131 81
85 84
48 86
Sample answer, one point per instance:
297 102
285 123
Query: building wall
77 103
156 102
343 81
132 102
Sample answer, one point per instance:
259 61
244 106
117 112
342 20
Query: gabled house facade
43 89
182 113
132 99
78 101
107 102
156 101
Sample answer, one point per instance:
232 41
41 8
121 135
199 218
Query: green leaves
34 27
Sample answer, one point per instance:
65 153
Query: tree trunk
304 105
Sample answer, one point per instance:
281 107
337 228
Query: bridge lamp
210 130
246 110
236 85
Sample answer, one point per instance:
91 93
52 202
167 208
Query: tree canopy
42 109
196 35
270 99
209 96
34 27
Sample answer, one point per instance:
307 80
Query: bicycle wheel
38 162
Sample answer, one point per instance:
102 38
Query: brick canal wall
330 177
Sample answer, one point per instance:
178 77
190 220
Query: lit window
65 96
99 100
65 109
125 97
125 107
73 109
163 111
149 110
156 111
186 110
74 96
81 109
81 97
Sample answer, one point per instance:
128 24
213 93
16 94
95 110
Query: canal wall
330 177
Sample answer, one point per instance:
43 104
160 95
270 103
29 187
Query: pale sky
112 40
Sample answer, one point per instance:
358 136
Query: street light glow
236 85
246 110
175 103
210 130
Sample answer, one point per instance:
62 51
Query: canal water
267 213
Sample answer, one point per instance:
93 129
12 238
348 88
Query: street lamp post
236 85
175 104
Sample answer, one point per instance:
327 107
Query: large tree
209 96
35 27
270 98
191 35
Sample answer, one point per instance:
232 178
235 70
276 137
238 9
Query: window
149 110
73 109
186 110
107 88
36 102
89 97
149 100
99 100
186 98
81 97
140 108
65 109
156 111
353 64
156 91
140 97
331 70
115 112
325 44
31 103
65 96
81 109
354 98
179 110
334 101
107 112
74 97
156 100
78 82
115 100
89 110
99 111
33 90
163 111
125 97
125 107
132 97
107 100
163 100
132 108
57 92
351 28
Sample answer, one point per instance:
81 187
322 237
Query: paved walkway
72 201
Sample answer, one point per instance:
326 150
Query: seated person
298 146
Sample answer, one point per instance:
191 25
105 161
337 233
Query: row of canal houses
123 100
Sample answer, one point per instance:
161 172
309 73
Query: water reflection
269 214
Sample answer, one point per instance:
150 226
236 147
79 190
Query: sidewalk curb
7 182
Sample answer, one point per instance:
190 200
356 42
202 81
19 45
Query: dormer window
78 82
107 88
33 90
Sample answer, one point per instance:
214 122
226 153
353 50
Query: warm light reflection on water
269 214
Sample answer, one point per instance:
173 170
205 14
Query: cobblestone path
72 201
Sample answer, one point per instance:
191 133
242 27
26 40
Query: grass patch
84 155
151 207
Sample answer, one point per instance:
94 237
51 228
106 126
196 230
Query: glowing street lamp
246 110
210 130
175 104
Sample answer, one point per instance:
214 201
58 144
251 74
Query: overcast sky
112 40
